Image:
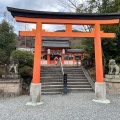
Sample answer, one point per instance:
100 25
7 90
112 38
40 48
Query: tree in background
110 47
7 40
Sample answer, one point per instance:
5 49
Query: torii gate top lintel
45 17
62 15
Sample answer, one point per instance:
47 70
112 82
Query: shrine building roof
75 50
56 44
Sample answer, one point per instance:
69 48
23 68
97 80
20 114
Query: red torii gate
67 19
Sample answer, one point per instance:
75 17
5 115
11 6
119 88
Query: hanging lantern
63 51
48 51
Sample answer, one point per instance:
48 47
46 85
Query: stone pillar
100 93
35 88
35 95
100 86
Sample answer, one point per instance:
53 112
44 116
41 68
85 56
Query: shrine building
60 47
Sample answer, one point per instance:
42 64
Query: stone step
45 69
51 75
75 71
75 77
69 91
78 86
67 72
51 93
70 72
57 77
51 86
68 86
57 71
61 77
72 67
52 90
61 89
69 69
80 90
69 83
52 80
61 80
79 83
51 71
68 75
50 68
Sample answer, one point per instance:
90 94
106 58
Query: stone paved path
74 106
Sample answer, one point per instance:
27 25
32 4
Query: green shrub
25 68
26 74
25 71
24 57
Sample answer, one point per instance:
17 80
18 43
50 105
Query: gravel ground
73 106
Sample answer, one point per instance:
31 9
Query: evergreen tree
110 47
7 38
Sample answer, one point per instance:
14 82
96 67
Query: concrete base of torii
35 95
100 93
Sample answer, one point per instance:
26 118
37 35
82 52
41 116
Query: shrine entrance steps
52 79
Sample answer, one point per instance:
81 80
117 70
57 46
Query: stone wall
112 83
113 87
10 87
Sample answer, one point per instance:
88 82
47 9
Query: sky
39 5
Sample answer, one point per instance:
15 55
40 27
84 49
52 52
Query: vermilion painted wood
98 54
62 59
48 59
68 34
37 54
66 21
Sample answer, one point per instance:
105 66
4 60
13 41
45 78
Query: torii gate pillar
35 87
100 86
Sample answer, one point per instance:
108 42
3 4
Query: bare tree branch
76 6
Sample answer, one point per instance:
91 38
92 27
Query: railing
64 78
